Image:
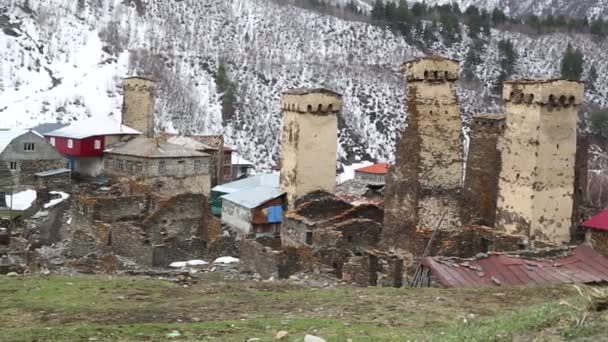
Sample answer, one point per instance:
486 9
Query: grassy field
139 309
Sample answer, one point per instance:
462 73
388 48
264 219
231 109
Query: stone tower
138 104
480 190
426 180
310 141
536 186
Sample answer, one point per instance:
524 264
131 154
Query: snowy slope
61 61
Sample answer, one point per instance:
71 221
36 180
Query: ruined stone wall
60 181
138 104
427 177
181 217
598 240
294 231
256 258
536 185
480 190
309 143
129 240
26 170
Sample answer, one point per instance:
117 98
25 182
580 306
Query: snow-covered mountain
64 59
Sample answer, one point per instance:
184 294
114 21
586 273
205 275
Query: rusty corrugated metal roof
599 221
584 265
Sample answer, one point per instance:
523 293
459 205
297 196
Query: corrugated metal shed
584 265
254 197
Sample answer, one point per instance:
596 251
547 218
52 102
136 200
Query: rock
313 338
12 274
174 334
281 335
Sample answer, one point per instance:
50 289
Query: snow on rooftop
8 135
21 201
238 160
92 127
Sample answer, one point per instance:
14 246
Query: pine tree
471 60
599 123
419 10
403 11
507 60
378 10
572 63
498 16
390 11
592 78
228 93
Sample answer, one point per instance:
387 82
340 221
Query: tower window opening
309 108
320 108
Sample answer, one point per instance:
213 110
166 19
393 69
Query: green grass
139 309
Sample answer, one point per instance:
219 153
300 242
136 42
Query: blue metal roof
267 179
253 197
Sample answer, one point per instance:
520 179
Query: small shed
268 179
258 210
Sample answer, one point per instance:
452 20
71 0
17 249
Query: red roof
584 265
380 168
599 221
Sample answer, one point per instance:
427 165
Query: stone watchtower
426 180
138 104
310 141
536 186
480 190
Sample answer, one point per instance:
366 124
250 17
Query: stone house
29 157
269 180
170 168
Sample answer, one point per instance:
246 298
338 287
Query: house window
13 166
29 147
197 165
70 143
97 144
2 199
227 171
130 166
309 238
161 167
138 167
120 164
52 140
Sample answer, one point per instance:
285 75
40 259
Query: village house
31 159
239 167
83 142
170 168
373 174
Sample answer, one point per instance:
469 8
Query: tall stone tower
310 141
536 186
138 104
427 177
480 190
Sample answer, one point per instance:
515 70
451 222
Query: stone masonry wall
537 180
480 190
427 177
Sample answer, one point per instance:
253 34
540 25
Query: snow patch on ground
62 197
349 171
226 260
